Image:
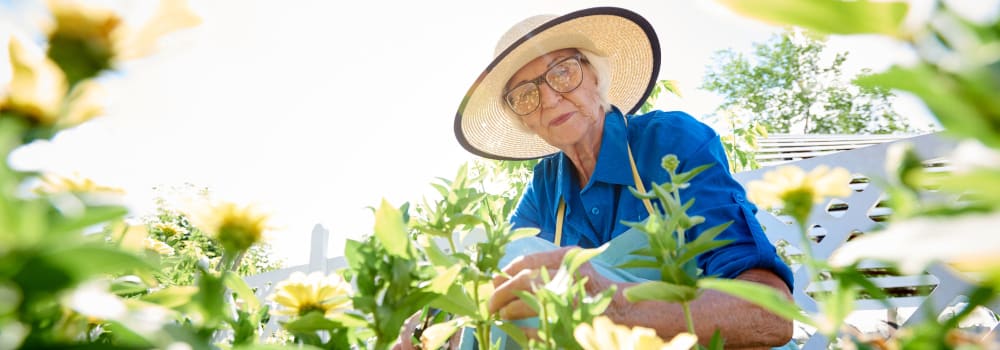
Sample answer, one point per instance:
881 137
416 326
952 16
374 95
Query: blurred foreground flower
55 184
604 334
36 87
236 227
797 191
968 243
37 92
300 294
86 39
72 194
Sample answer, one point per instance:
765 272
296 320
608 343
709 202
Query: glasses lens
565 76
523 99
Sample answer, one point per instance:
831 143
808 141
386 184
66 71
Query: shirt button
595 211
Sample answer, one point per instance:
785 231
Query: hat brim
485 127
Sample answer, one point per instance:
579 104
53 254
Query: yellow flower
172 15
796 190
236 227
86 39
169 229
301 294
55 184
36 88
161 248
604 334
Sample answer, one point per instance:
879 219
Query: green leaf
171 297
126 337
276 347
436 335
576 257
758 294
122 287
662 291
717 342
348 320
466 219
827 16
456 301
352 253
522 233
391 231
309 323
671 87
238 285
705 242
93 215
957 115
686 177
838 305
435 254
639 264
441 283
514 332
100 259
210 298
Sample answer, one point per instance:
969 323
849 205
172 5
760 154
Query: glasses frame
580 60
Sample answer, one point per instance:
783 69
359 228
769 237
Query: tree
786 87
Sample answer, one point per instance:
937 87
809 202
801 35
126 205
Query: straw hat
486 127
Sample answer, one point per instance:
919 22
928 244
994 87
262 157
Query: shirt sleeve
721 199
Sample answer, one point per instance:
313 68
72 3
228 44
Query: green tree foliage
786 86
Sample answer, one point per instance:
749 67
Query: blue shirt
594 214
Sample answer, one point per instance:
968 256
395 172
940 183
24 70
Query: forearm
742 324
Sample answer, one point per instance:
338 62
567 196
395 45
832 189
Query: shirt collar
612 161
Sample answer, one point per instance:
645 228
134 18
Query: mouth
560 119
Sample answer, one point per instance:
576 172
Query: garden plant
174 280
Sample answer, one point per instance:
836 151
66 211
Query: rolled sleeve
719 199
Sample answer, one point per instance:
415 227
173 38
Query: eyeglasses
564 76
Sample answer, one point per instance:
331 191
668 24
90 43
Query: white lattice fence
833 223
263 284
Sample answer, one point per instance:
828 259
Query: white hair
602 69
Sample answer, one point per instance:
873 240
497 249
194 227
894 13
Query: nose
548 97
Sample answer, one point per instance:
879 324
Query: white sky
317 109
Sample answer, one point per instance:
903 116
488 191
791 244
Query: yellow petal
85 102
584 335
37 85
835 183
683 341
170 16
645 339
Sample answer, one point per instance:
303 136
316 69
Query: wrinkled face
564 118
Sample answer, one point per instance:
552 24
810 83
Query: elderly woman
563 88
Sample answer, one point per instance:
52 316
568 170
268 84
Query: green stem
687 317
543 324
808 260
482 330
483 334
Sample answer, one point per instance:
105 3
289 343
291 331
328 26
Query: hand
524 272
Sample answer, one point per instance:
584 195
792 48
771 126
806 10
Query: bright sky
318 109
